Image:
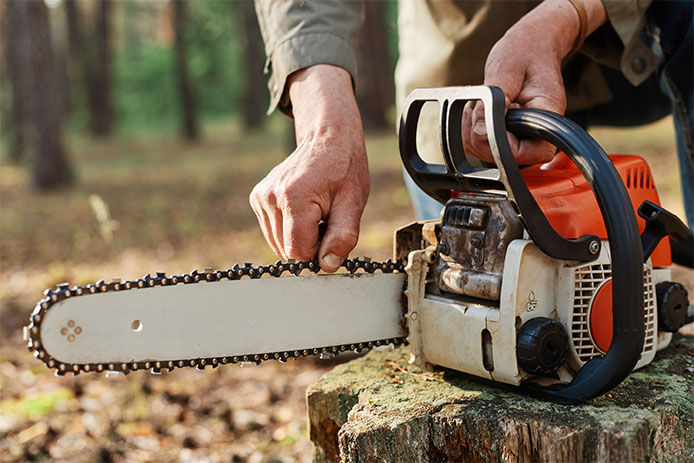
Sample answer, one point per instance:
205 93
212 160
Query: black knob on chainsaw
672 306
541 346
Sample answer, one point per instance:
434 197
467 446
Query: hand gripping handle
600 374
438 180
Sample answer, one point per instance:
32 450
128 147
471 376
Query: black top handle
457 173
599 375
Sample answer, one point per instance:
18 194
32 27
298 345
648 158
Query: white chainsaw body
480 339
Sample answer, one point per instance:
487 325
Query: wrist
316 90
323 102
562 24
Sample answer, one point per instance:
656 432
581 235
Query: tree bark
379 408
62 65
74 30
83 64
189 121
252 100
18 85
375 86
79 68
100 84
50 167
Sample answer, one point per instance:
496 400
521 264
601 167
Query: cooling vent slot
639 178
587 279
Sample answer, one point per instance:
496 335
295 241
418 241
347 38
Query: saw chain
276 270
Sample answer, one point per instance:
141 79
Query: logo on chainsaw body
531 304
71 331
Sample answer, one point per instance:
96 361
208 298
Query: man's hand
325 178
526 64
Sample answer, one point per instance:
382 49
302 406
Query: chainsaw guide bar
71 330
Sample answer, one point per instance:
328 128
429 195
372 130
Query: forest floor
147 203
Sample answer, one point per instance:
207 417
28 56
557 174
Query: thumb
342 233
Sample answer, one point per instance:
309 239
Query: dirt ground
150 203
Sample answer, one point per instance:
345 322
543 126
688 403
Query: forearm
323 102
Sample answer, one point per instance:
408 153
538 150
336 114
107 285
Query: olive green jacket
444 42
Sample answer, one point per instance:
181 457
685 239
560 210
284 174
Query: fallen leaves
228 414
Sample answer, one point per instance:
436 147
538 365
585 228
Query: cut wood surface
378 408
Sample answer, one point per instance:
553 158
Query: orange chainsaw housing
566 199
568 202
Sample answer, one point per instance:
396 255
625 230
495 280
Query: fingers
475 137
329 163
536 151
289 227
293 233
479 140
525 152
531 78
342 233
269 232
471 141
300 231
260 205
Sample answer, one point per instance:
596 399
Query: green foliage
37 406
145 88
215 56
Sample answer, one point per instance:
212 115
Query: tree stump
378 408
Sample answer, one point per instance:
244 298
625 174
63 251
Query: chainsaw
554 278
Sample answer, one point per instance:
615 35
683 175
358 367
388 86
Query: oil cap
672 306
541 346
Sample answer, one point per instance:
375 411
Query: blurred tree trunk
101 103
253 98
189 125
82 62
74 30
37 67
18 84
60 54
79 63
375 87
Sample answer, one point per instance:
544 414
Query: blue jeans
425 207
670 27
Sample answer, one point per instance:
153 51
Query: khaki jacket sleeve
619 43
301 33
